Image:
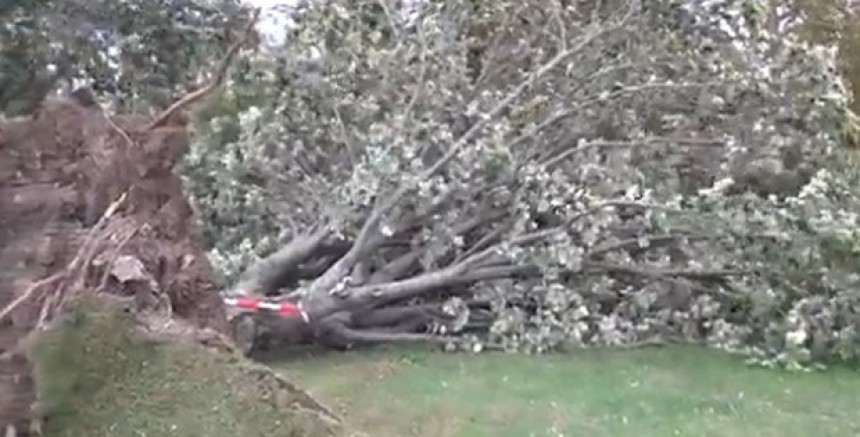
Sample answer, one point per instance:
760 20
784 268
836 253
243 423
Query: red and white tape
285 309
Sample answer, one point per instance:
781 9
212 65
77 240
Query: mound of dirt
89 203
59 173
98 376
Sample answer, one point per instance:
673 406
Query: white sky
272 22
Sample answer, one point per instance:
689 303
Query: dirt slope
89 203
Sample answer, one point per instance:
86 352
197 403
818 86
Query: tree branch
355 336
273 271
399 317
689 274
398 268
337 272
573 110
681 142
217 79
651 240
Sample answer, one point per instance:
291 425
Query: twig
501 106
650 240
684 142
688 273
122 133
533 237
347 138
571 111
85 246
27 294
557 12
488 239
88 249
59 277
484 74
419 87
220 74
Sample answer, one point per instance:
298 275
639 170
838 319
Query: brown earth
60 171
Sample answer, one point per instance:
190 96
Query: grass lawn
97 378
683 391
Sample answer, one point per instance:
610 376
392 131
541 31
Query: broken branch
345 264
271 272
217 79
688 273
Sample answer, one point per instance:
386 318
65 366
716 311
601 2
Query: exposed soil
59 172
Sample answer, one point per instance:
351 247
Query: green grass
95 377
683 391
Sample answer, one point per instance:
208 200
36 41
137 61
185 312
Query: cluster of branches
392 287
523 173
389 283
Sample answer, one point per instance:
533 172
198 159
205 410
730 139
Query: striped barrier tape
285 309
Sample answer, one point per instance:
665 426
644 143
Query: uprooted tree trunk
387 283
355 300
89 203
373 288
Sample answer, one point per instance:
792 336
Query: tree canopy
137 53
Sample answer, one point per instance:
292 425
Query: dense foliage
137 53
673 172
670 171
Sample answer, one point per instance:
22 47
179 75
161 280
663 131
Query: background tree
138 53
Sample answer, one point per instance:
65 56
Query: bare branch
569 112
347 138
354 336
484 74
270 273
484 256
588 145
485 241
405 318
690 274
476 128
371 227
360 272
27 294
398 268
419 87
557 11
381 294
217 79
650 241
497 272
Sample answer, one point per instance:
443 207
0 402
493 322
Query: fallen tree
90 205
533 178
